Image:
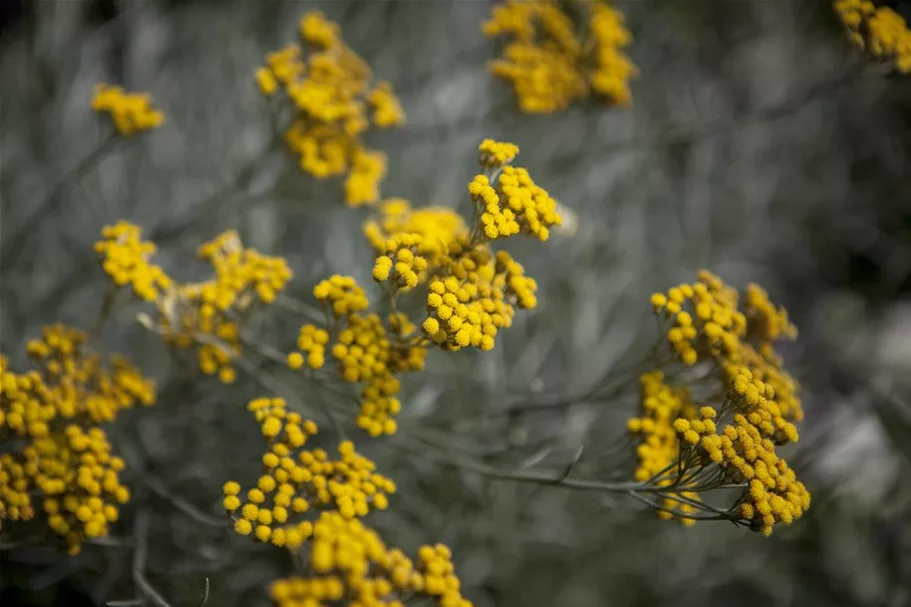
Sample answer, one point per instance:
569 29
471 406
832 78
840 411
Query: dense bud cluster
342 294
366 350
297 481
74 381
352 565
470 292
125 256
50 417
751 408
475 297
334 103
513 204
658 446
78 477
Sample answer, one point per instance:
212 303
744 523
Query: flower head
131 113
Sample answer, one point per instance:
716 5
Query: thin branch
139 560
205 597
50 204
273 385
529 476
299 307
677 513
183 505
592 395
201 213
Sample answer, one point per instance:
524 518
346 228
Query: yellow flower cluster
496 154
471 292
63 455
297 481
131 113
387 111
362 349
343 295
239 273
470 305
312 341
707 323
334 104
436 228
75 381
756 401
403 260
515 204
766 321
27 405
78 476
548 66
124 256
197 314
365 349
746 455
880 31
201 313
15 489
658 447
351 563
612 69
368 169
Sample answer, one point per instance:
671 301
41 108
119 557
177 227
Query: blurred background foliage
760 145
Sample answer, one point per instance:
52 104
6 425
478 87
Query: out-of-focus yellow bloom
342 294
315 29
880 31
203 314
124 257
613 69
331 92
362 186
311 341
658 447
545 81
15 489
131 113
65 458
548 66
349 560
387 110
432 229
73 383
78 477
